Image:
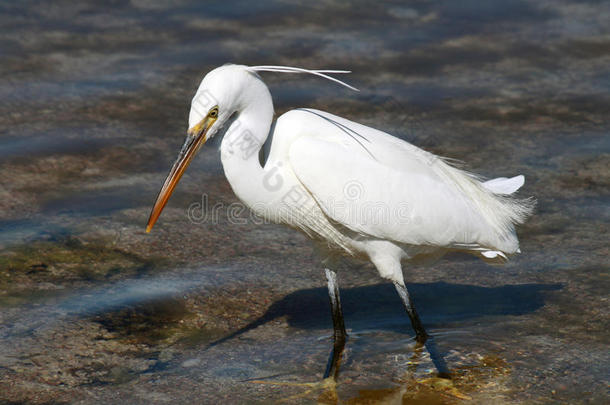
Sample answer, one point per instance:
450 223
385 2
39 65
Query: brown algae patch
48 265
158 322
475 378
469 381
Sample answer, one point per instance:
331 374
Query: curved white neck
239 149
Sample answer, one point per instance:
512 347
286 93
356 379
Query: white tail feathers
290 69
503 185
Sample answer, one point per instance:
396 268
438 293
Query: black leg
420 333
437 359
339 334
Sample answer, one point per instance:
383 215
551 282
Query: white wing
378 185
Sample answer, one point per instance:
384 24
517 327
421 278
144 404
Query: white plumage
357 188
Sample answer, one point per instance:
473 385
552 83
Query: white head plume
290 69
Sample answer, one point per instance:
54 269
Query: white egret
357 189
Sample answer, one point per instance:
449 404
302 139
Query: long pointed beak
194 140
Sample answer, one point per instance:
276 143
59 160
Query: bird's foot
444 386
328 386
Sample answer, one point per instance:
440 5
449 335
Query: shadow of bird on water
379 307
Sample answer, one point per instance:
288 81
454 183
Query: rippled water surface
94 100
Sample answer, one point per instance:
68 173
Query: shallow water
93 105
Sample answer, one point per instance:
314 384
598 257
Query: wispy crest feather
317 72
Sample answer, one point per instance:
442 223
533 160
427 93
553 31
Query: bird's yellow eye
213 113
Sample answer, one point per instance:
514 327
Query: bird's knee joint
389 269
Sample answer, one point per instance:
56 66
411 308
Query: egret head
223 92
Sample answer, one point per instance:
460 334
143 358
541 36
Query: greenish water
94 102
